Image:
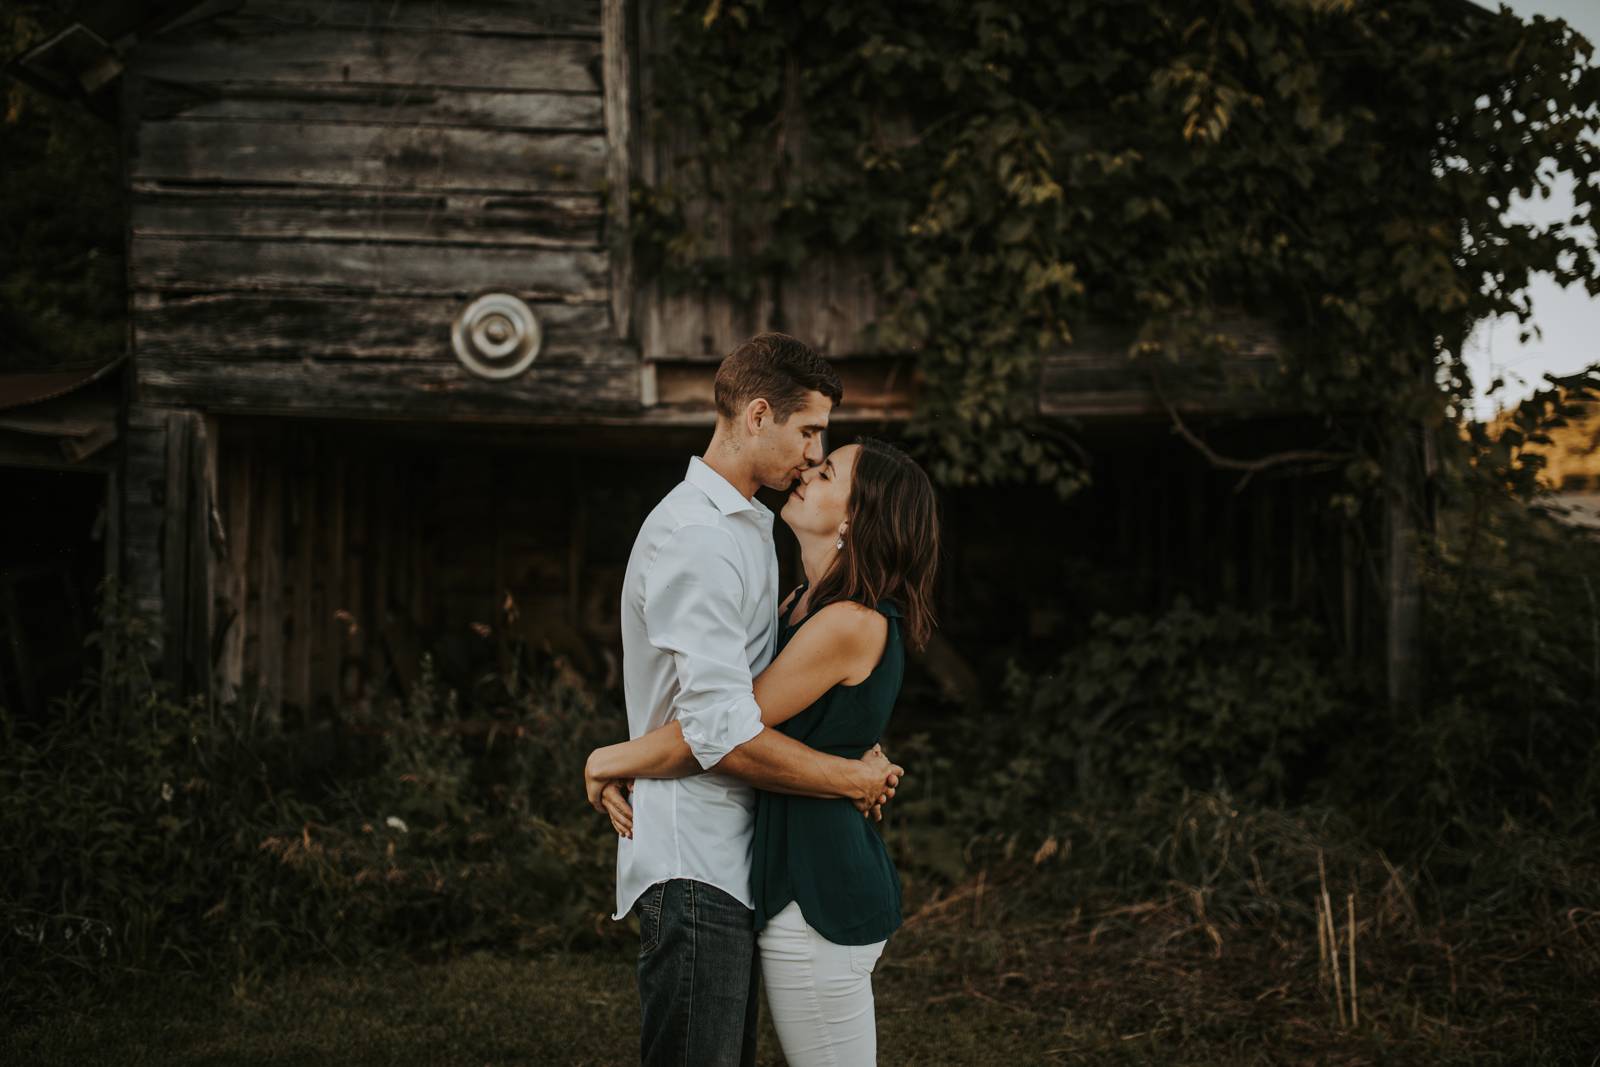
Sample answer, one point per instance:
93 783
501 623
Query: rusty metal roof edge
52 382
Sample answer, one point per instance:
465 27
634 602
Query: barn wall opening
52 561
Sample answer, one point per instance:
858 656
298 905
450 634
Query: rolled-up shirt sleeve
692 609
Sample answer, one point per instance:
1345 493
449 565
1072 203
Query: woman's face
819 501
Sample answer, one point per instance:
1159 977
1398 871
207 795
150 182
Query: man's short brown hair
776 368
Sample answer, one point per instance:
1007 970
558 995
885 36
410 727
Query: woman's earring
839 544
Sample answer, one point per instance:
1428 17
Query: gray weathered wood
1404 489
401 105
829 302
206 264
257 50
831 305
247 326
388 390
41 453
619 173
266 583
1097 377
144 494
368 156
186 567
534 221
454 16
238 521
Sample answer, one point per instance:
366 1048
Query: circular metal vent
496 336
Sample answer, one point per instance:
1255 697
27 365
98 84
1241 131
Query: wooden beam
1098 378
875 389
384 389
143 509
43 453
186 557
618 88
274 327
1403 506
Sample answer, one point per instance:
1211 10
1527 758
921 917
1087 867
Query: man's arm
692 596
780 764
770 761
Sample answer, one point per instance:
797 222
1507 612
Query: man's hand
877 781
890 785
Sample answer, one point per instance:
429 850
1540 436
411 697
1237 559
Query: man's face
785 450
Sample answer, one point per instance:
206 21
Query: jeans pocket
864 958
648 909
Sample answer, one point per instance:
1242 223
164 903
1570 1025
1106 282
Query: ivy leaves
1338 168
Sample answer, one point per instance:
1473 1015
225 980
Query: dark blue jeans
699 984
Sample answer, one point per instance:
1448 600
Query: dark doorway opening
52 560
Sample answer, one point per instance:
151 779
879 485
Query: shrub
142 831
1183 700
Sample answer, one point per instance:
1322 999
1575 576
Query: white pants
819 994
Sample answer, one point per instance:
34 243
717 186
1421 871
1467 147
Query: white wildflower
395 822
166 791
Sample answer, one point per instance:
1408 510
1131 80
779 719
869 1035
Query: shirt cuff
711 736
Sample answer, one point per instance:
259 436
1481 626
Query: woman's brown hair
891 545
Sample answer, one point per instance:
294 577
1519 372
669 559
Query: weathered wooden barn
393 382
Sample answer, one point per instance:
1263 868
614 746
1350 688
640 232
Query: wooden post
1403 511
237 483
618 86
187 553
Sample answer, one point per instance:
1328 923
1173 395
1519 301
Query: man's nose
814 453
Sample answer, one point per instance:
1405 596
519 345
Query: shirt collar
728 500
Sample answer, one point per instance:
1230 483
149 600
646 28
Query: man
699 621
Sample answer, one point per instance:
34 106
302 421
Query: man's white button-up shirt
699 621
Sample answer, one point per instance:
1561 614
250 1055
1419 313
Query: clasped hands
874 786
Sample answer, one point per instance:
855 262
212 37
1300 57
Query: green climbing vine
1340 169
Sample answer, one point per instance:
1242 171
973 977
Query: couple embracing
743 801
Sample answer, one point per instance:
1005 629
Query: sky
1569 320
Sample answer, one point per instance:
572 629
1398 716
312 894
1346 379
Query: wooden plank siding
317 189
350 551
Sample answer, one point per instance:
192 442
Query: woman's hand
614 802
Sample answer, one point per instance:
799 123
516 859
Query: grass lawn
577 1009
1004 985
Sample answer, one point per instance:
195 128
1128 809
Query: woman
827 896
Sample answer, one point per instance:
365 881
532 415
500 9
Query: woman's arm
843 643
661 753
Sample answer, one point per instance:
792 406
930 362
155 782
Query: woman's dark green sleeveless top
821 853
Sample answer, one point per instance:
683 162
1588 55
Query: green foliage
1128 725
1512 641
1184 700
141 831
62 290
1341 169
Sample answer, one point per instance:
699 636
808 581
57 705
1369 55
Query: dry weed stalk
1330 932
1329 968
1355 1004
